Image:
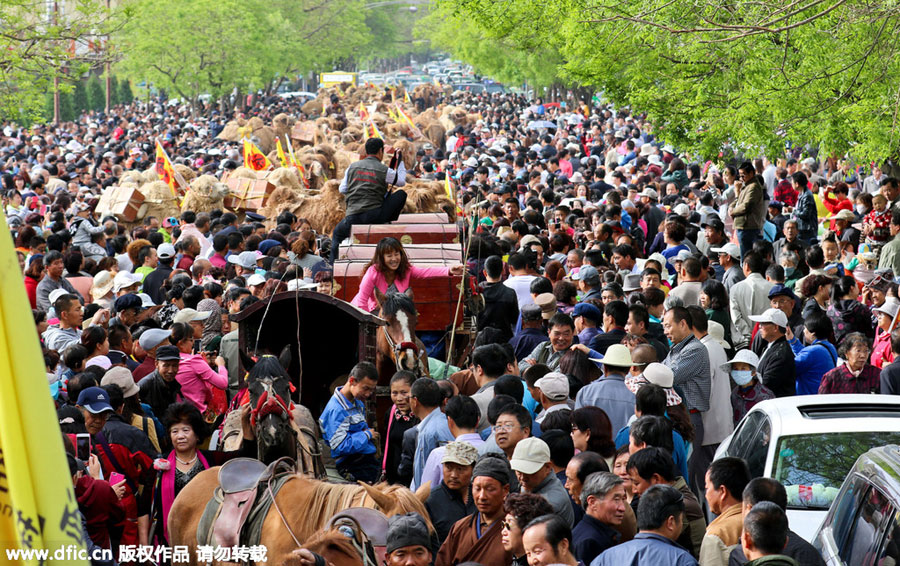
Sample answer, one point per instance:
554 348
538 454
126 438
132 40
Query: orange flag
255 159
167 172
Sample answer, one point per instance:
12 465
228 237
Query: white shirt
521 284
718 420
748 297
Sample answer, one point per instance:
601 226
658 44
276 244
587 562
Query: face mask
742 376
860 208
789 271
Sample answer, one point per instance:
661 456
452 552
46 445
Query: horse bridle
398 347
269 402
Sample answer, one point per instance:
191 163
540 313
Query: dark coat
777 370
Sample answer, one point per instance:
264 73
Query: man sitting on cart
365 188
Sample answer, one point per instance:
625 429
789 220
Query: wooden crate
448 252
424 218
123 202
406 233
435 298
247 194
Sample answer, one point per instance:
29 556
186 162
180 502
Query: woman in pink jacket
390 270
882 354
195 375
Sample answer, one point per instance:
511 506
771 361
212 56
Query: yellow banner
281 155
255 159
167 172
38 510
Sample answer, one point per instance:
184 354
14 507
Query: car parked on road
809 443
863 525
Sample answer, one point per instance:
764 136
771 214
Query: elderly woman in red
856 375
390 270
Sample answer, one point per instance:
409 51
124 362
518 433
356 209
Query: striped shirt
689 361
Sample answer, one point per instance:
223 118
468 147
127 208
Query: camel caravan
324 143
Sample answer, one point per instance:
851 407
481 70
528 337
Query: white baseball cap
124 280
530 455
190 315
554 385
775 316
730 248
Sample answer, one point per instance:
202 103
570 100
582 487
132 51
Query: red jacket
31 288
101 508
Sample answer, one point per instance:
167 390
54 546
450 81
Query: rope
462 292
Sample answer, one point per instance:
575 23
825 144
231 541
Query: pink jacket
365 298
196 377
882 354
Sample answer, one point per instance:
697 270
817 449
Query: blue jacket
679 454
811 363
344 427
645 548
433 431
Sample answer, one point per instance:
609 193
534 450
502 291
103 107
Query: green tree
80 100
114 90
311 34
67 112
96 93
126 95
724 75
36 45
204 46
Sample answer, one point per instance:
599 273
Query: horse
283 429
398 348
333 546
302 507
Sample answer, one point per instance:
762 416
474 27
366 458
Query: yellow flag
406 97
281 156
296 163
255 159
38 510
167 172
405 118
376 133
450 195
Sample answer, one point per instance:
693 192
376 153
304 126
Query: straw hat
102 285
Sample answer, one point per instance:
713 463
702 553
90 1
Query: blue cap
128 301
255 216
95 400
588 274
267 245
588 311
781 290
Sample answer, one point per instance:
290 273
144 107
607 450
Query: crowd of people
637 303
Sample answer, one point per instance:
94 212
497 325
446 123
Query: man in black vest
364 187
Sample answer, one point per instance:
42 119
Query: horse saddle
238 497
372 522
367 528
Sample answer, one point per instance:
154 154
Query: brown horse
302 507
333 546
397 345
